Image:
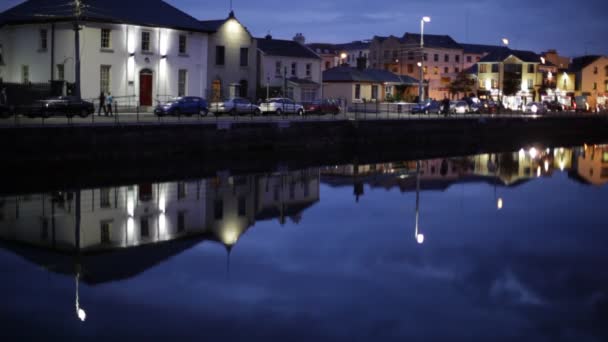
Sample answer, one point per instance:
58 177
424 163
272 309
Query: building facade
591 79
139 59
290 68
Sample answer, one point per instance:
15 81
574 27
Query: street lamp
420 89
343 56
505 42
419 236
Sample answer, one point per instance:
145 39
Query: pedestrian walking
109 103
102 104
446 106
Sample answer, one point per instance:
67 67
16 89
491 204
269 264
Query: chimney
300 38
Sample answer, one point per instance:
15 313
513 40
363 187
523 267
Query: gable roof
481 49
356 45
284 48
432 41
580 63
212 25
350 74
151 13
501 54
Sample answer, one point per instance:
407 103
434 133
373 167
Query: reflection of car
187 105
62 105
235 106
427 107
535 108
280 106
459 107
554 106
323 107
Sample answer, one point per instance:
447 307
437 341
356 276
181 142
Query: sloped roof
580 63
152 13
502 54
285 48
350 74
481 49
302 81
432 41
212 25
322 47
356 45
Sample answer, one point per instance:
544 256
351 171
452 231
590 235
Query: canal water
486 247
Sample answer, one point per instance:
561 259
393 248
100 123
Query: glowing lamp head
426 19
420 239
542 60
343 55
419 64
505 41
82 315
533 153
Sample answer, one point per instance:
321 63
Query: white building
289 66
140 51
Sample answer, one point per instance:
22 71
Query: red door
145 88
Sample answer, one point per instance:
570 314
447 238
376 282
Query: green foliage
462 84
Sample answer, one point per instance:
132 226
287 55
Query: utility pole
78 6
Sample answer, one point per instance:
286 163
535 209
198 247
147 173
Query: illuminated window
483 68
530 83
435 71
43 40
594 85
425 70
145 41
105 38
183 44
104 78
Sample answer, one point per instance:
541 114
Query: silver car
536 108
281 106
235 106
459 107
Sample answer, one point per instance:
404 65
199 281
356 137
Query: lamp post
505 42
420 87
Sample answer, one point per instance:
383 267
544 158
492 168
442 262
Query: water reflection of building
140 225
592 165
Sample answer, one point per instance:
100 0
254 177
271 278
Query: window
294 69
494 84
395 54
242 207
244 57
357 91
435 71
60 72
145 41
104 198
105 227
388 91
25 74
104 78
386 54
183 44
565 85
410 55
446 70
594 85
181 221
457 70
457 58
605 68
43 39
1 55
181 191
105 38
425 70
446 58
374 92
182 76
483 68
495 68
410 68
469 59
530 83
220 55
218 209
595 70
308 70
277 68
144 227
436 57
530 68
477 59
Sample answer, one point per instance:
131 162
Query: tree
461 84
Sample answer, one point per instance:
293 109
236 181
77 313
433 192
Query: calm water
488 247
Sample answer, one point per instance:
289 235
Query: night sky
572 27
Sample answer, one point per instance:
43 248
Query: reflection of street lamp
80 313
419 236
420 89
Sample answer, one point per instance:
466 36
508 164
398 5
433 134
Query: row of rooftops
157 13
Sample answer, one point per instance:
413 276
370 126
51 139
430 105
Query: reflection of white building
592 165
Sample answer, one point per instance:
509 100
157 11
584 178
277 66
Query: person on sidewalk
102 104
109 104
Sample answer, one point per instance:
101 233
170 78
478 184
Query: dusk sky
573 28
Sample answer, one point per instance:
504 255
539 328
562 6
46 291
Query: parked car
554 106
427 107
280 106
535 108
488 107
187 105
459 107
324 106
61 105
235 106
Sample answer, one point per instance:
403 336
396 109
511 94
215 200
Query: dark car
488 107
61 105
323 107
427 107
554 106
187 105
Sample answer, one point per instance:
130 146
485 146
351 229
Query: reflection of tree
508 164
